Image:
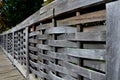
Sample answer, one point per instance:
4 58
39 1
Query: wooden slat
33 56
33 48
43 47
44 56
90 74
62 43
59 56
88 36
61 69
95 65
40 73
54 77
43 26
33 41
84 18
33 33
61 29
41 65
42 37
99 54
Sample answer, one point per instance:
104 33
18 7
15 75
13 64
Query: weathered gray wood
33 48
43 47
113 41
88 36
34 33
84 18
7 70
95 28
26 52
99 54
61 69
61 29
42 65
54 77
33 56
62 43
60 56
42 37
98 65
40 73
33 40
85 72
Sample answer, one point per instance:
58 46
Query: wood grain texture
7 70
113 41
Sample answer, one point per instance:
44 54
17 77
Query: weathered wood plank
88 36
62 43
60 30
84 18
113 40
98 65
99 54
43 47
93 75
33 48
61 69
42 37
39 73
33 40
33 56
7 70
34 33
54 77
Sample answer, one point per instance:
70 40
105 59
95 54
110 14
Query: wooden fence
66 40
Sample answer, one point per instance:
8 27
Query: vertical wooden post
79 29
13 47
27 53
113 40
6 47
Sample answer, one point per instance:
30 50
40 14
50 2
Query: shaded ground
7 70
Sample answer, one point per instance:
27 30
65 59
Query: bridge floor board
7 70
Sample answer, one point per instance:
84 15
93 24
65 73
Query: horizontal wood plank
88 36
43 47
99 54
62 43
61 29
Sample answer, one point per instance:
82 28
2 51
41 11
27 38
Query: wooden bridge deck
7 70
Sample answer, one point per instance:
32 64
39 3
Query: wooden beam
113 41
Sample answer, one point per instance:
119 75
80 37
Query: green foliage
13 12
47 2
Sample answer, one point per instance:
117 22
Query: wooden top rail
60 7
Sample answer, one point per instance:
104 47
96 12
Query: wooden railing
66 40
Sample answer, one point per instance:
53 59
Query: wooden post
13 47
27 54
79 29
113 41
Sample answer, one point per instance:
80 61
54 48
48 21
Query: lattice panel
33 51
10 43
16 46
4 41
69 51
20 47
